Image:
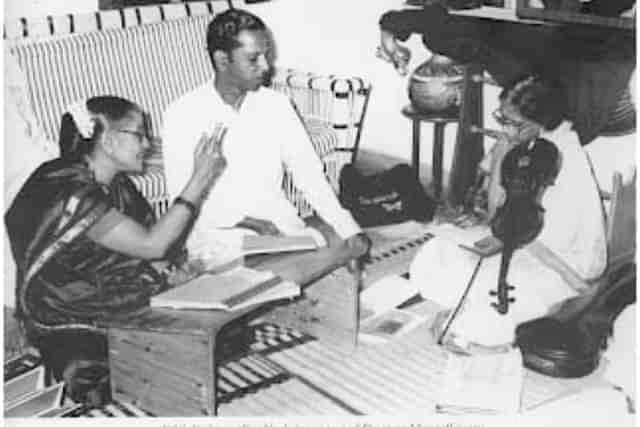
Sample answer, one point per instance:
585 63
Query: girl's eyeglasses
141 135
505 121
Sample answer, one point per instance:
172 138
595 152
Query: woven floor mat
284 372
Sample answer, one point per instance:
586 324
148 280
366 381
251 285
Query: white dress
573 229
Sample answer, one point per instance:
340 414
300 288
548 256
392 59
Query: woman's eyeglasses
141 135
499 117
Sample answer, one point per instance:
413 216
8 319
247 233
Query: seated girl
569 250
86 243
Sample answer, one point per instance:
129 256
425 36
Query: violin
526 171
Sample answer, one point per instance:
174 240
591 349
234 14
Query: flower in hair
82 118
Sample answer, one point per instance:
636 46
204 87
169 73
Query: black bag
388 197
569 343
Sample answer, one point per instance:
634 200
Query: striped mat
286 373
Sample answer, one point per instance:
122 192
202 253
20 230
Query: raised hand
208 160
496 193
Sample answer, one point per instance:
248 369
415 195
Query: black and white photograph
319 212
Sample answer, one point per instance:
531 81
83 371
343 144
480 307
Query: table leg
415 152
438 148
468 151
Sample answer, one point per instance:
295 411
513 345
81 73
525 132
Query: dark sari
69 286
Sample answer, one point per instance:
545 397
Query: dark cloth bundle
388 197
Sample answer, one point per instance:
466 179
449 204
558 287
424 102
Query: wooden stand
439 120
164 361
469 149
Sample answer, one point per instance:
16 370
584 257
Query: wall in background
31 8
337 36
324 36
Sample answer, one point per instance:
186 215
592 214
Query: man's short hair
223 30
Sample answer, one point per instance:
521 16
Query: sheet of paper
388 325
386 293
489 383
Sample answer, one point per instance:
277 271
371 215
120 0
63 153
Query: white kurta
262 136
573 229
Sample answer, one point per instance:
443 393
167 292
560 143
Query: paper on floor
386 293
490 383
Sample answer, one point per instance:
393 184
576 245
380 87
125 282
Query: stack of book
27 396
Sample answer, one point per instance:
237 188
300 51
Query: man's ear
108 142
221 59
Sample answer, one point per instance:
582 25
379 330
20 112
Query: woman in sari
86 243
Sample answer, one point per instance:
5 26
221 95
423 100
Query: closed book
22 386
263 244
235 289
39 403
27 396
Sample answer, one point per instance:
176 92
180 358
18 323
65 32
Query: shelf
539 16
495 13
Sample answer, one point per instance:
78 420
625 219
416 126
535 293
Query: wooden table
164 361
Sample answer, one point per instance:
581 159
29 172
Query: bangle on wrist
187 204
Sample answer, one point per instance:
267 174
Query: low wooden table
164 361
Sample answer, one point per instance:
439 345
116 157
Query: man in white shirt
264 133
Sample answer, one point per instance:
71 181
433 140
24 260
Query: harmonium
165 361
291 359
204 362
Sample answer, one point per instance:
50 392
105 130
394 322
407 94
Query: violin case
569 342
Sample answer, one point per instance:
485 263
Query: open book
27 396
235 289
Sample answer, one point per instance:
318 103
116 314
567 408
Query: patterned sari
67 284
